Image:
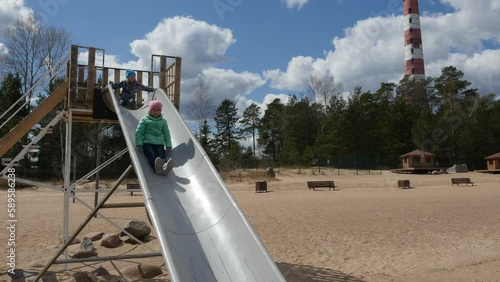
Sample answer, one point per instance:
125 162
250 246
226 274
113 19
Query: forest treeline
319 126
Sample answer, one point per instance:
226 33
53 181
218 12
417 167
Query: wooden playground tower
83 101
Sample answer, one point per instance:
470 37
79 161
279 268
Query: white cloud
478 68
200 44
371 51
222 84
299 69
10 12
295 3
3 49
229 83
243 102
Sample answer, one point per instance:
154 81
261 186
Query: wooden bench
320 184
133 186
459 181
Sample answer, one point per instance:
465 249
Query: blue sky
254 51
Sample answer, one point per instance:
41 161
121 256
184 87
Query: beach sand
367 230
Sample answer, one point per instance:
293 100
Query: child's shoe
167 167
158 165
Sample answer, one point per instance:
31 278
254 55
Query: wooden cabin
493 162
418 160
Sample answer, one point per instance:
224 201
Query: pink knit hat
155 104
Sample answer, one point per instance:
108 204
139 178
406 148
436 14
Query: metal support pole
33 142
74 168
108 258
67 180
82 226
123 205
103 165
115 225
97 164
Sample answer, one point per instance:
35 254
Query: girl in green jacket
151 136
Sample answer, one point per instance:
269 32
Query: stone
270 172
458 168
86 245
138 229
84 277
436 172
18 274
30 275
84 254
142 271
100 271
134 242
94 236
47 277
111 278
111 241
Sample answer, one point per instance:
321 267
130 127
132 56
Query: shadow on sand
297 272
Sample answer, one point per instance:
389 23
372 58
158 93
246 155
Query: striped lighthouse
414 55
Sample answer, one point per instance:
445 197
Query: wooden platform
415 170
85 115
494 171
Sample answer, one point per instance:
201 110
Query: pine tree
226 118
271 129
207 142
251 122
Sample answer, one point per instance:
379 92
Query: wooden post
81 81
150 78
105 74
91 76
66 99
139 93
117 80
177 91
73 75
163 72
67 69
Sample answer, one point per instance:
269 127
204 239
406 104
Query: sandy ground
368 230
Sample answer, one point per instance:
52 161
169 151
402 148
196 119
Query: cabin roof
416 153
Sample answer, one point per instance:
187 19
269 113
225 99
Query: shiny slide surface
203 233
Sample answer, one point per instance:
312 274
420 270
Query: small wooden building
418 160
493 162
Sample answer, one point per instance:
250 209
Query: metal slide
203 233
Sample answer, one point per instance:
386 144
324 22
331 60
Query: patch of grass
245 176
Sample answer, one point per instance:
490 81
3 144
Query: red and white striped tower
414 55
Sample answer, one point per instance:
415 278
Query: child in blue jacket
151 136
129 87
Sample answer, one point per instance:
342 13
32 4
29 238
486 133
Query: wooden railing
83 78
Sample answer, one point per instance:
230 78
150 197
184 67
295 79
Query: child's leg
168 163
159 152
159 158
150 154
